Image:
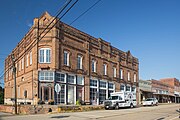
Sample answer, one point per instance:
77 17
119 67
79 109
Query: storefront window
60 77
71 79
71 94
102 95
80 80
93 83
46 76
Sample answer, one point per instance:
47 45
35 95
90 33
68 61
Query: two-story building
85 67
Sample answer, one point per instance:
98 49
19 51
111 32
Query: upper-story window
93 66
121 73
134 77
30 57
129 76
27 60
114 72
104 69
79 62
66 58
22 63
45 55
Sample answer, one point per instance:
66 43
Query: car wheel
152 104
117 107
131 105
156 104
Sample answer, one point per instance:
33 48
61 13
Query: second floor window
129 76
22 63
114 72
104 69
93 66
134 77
30 57
27 60
121 73
44 55
79 62
66 58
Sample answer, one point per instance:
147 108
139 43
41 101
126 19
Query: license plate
107 106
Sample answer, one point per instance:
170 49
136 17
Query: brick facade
59 39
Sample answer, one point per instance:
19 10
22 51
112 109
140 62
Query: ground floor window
80 91
102 95
93 94
62 94
71 94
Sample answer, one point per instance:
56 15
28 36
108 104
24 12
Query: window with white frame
93 90
122 87
44 55
111 88
71 79
128 88
104 69
93 83
129 76
121 73
66 58
80 80
19 65
134 77
22 63
133 89
114 72
46 76
27 60
30 57
60 77
93 66
102 84
79 62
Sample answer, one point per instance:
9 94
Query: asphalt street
161 112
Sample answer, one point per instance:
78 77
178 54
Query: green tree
1 95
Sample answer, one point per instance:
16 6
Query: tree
1 95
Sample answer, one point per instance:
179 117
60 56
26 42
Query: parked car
150 101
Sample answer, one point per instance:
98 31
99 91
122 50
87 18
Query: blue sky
150 29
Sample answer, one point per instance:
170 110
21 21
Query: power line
84 12
55 18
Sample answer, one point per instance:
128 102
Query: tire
131 105
116 107
152 104
156 104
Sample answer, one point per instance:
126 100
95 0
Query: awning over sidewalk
146 91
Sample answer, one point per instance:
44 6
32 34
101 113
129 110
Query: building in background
86 68
175 86
145 90
162 91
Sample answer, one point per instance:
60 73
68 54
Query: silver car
150 101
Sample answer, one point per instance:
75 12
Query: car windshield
149 99
113 98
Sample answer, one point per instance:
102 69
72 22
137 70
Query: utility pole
14 73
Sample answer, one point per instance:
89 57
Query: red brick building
176 87
162 91
86 68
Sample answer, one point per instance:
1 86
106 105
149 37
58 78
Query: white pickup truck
121 99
